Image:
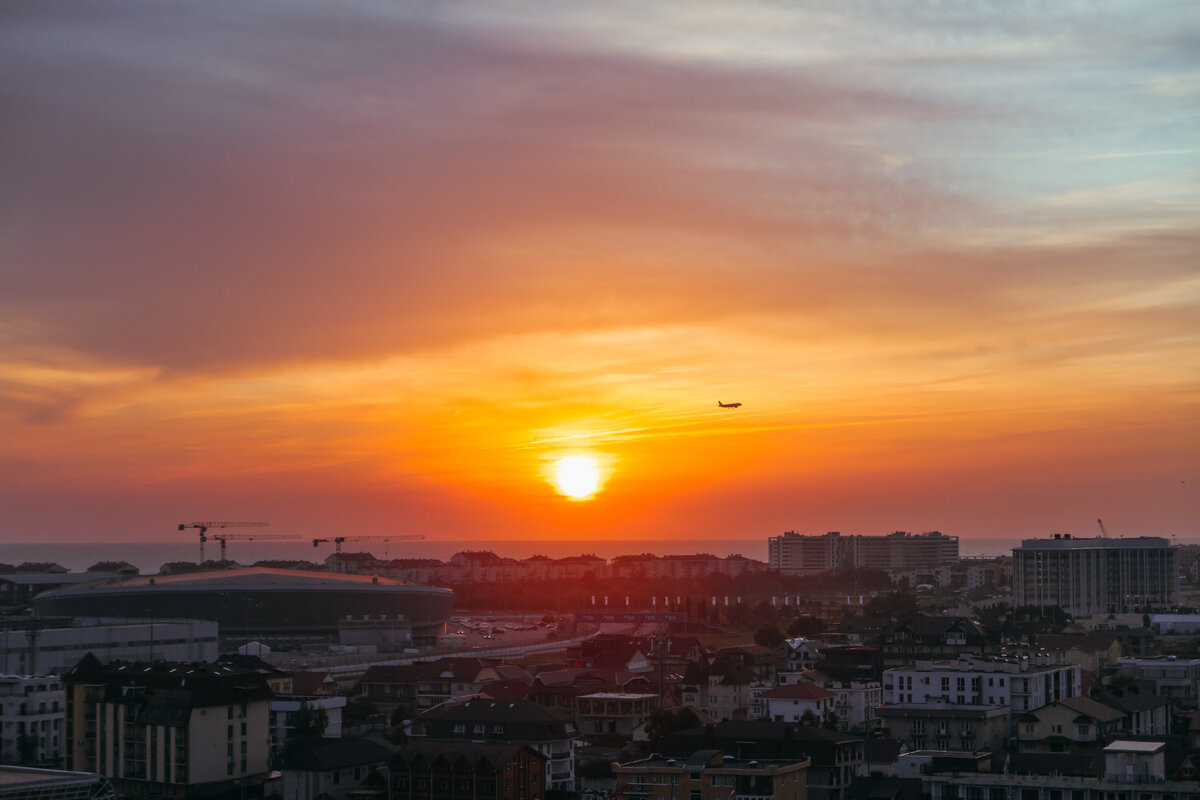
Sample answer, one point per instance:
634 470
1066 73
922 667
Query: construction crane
1103 533
247 537
204 526
337 540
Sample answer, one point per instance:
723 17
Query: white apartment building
31 710
1023 684
1096 575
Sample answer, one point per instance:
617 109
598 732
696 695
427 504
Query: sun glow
577 477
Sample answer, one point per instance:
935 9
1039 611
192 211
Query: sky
376 268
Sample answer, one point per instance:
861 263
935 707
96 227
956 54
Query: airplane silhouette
728 405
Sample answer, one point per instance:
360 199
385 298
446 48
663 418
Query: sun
577 477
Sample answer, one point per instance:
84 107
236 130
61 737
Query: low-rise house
854 702
613 712
799 654
721 690
330 769
711 775
836 758
791 703
1177 679
1145 714
927 638
413 688
1075 723
523 722
458 770
944 726
1095 651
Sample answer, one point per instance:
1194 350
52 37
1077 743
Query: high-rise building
1096 575
795 554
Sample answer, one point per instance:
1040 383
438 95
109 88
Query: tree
806 626
663 723
307 727
768 635
810 719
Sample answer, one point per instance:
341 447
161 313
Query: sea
148 557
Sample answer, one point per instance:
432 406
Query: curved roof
250 579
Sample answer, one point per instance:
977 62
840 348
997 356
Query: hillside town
846 667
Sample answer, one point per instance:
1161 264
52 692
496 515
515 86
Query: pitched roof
1101 712
327 754
798 691
474 753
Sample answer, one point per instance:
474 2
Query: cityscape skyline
507 273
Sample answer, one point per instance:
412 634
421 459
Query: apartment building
31 719
1023 684
796 554
1096 575
167 729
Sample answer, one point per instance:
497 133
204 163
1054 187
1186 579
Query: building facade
168 729
1020 683
31 716
796 554
1096 575
711 775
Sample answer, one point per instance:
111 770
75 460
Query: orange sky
363 270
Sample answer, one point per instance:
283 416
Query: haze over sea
149 556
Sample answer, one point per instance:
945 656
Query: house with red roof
789 703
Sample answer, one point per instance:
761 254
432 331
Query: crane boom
1103 532
248 537
337 540
204 526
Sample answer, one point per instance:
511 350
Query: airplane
728 405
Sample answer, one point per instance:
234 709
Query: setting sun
577 476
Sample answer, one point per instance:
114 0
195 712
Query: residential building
413 688
1096 575
31 719
287 709
721 689
1177 679
711 775
944 726
794 554
330 769
1022 683
168 729
792 702
854 702
1134 770
923 637
1145 714
836 758
521 722
1076 723
613 712
460 770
